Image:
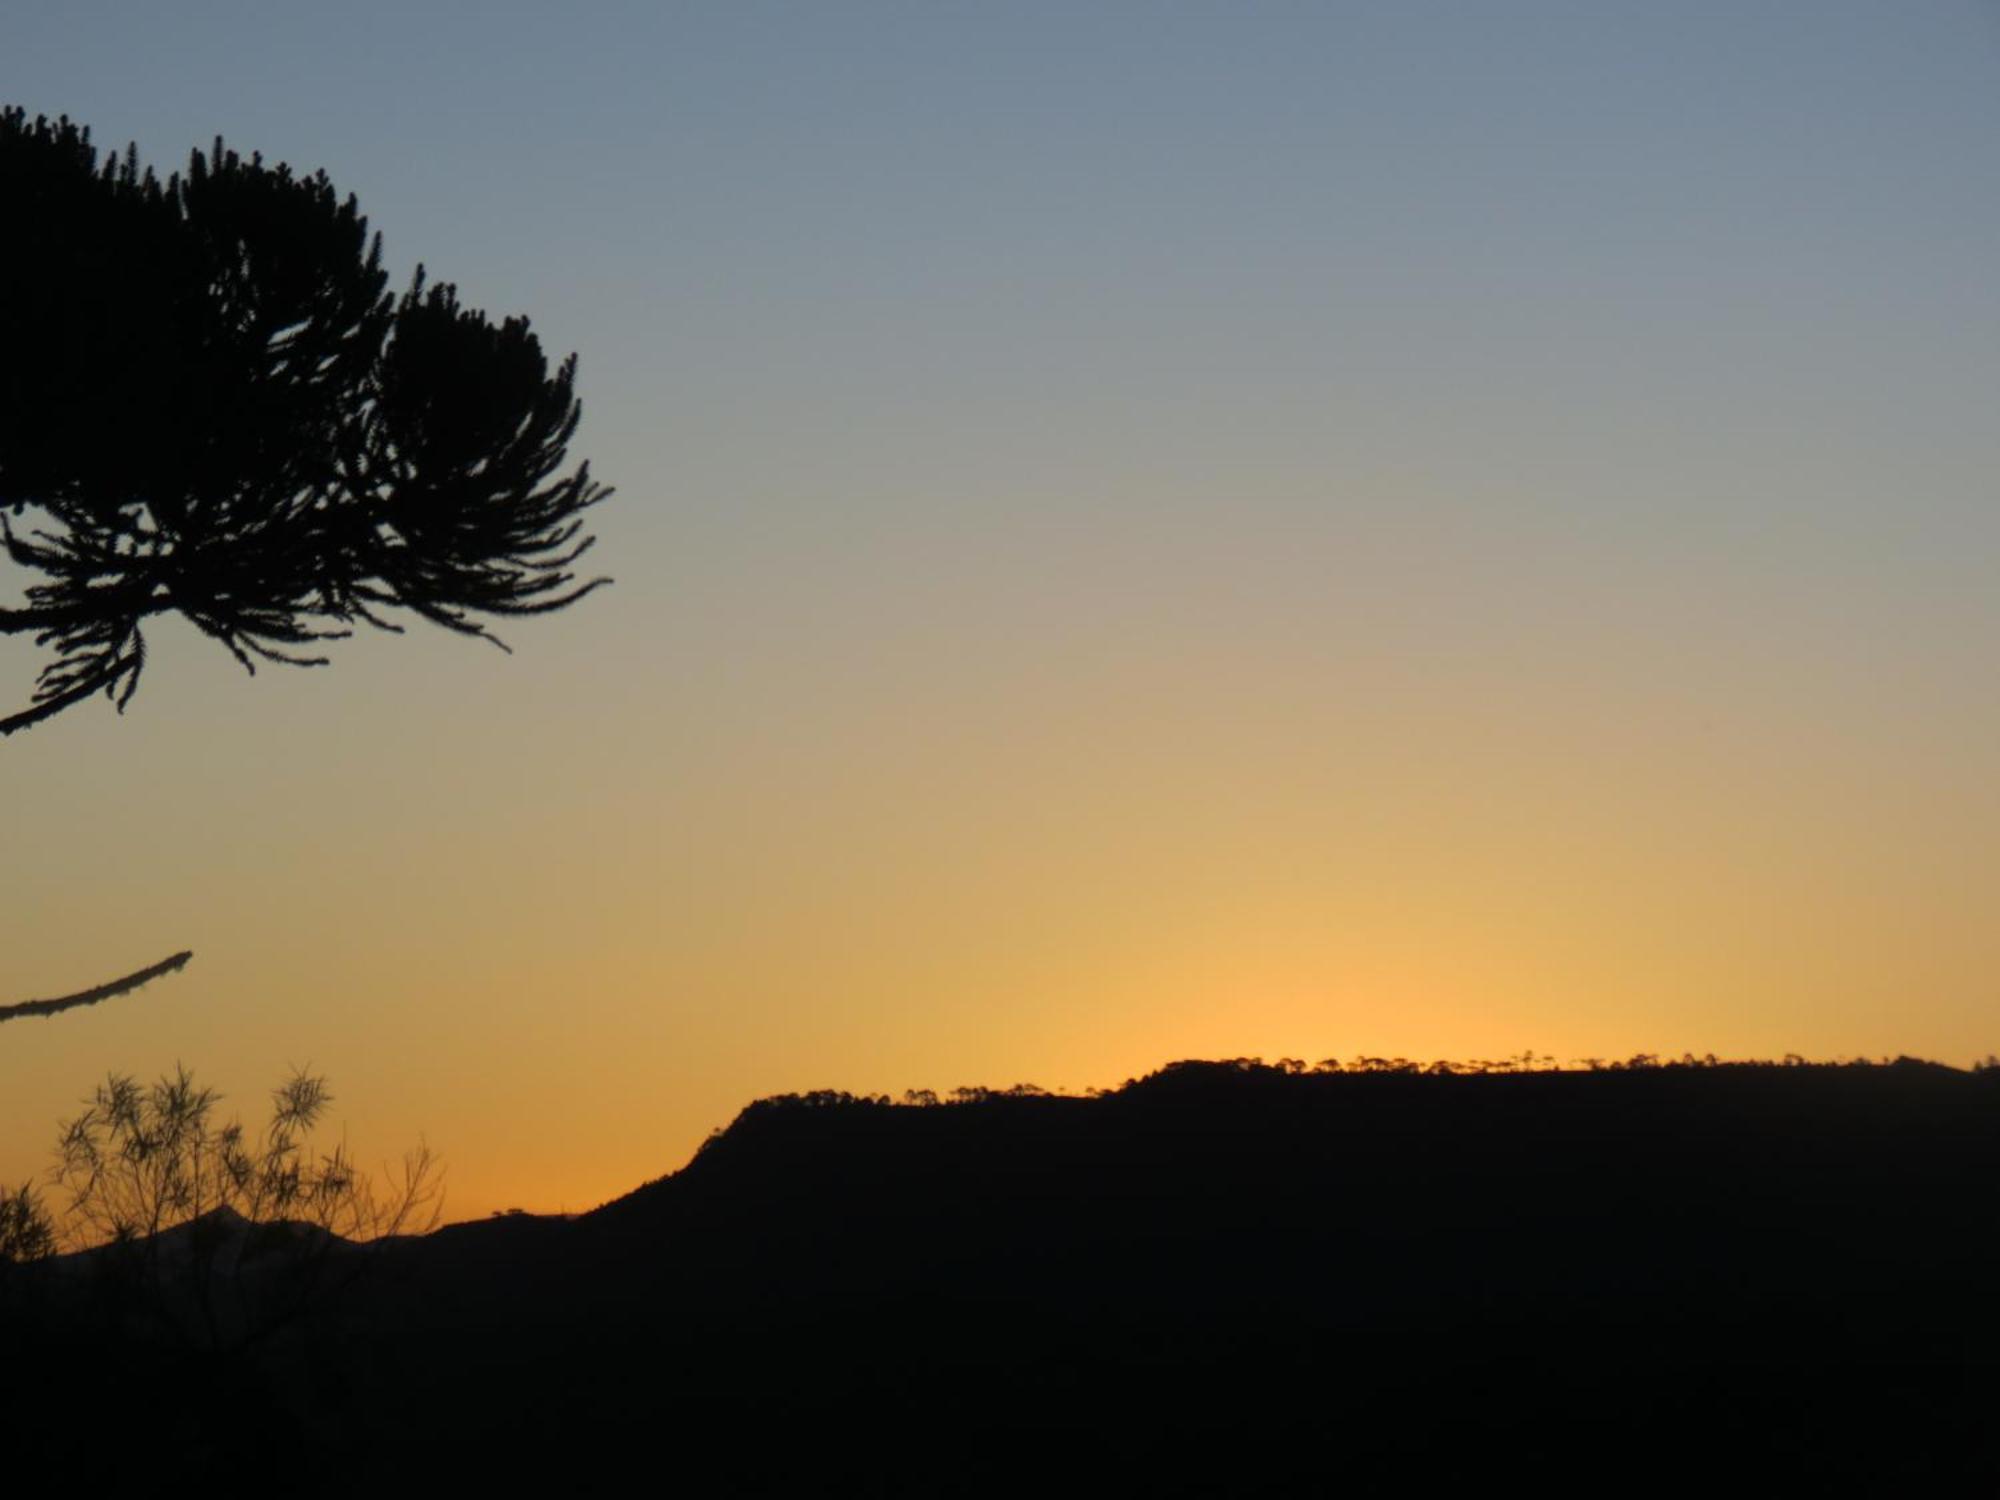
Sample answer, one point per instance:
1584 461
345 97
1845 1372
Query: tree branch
92 996
48 708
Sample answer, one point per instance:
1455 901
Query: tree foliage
143 1159
220 1233
27 1234
213 406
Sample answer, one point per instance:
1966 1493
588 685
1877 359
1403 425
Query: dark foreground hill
1223 1278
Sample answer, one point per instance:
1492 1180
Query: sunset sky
1142 531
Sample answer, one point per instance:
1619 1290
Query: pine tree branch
91 996
96 682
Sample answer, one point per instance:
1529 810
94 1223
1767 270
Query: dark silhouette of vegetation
27 1243
212 406
97 993
216 1236
27 1234
188 1305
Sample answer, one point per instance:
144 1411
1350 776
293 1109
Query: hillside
1225 1276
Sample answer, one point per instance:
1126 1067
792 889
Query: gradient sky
1142 531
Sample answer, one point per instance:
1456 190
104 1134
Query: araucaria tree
211 405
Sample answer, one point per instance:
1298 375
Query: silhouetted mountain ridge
1244 1127
1218 1274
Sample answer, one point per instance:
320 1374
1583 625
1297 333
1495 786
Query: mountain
1225 1278
222 1237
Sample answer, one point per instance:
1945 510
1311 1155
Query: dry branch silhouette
98 992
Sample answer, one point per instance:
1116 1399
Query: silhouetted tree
26 1231
212 406
218 1234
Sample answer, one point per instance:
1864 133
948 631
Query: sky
1142 531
